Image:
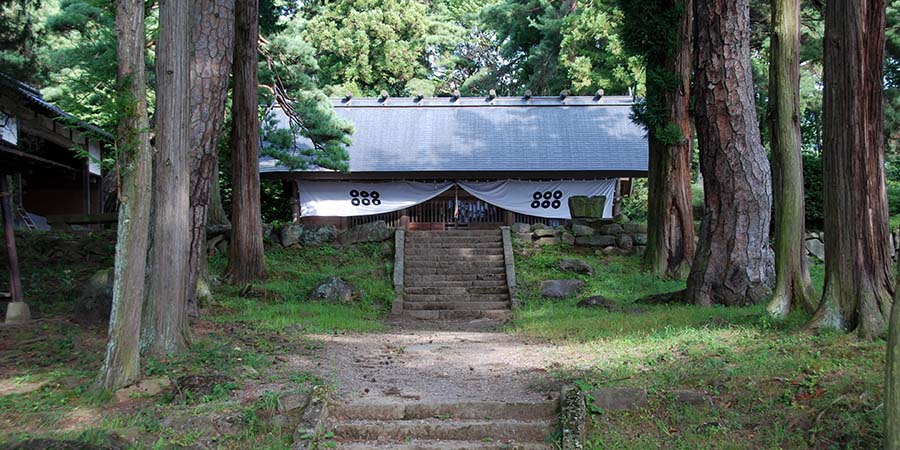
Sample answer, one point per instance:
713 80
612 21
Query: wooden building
42 148
470 162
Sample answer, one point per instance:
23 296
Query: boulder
634 228
377 231
582 206
576 266
568 238
641 239
268 232
816 248
538 226
689 397
218 229
612 228
307 235
333 289
582 230
596 240
525 237
561 288
95 301
625 242
546 232
520 227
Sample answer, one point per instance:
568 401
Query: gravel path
436 361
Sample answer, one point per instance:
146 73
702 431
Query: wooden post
510 218
86 187
404 218
17 310
295 201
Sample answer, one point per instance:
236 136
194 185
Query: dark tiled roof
511 134
33 96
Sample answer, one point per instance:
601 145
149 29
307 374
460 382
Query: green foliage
812 189
634 207
20 29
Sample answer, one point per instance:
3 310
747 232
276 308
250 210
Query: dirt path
432 361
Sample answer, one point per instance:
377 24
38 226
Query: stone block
619 398
633 228
816 248
596 240
546 232
568 238
613 228
576 266
625 242
582 230
548 240
582 206
520 227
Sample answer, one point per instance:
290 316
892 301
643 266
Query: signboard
9 132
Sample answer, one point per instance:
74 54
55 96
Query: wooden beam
15 282
36 159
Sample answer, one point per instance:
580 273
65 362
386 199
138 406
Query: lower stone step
476 283
411 271
418 444
500 276
444 429
456 290
453 298
456 306
544 411
449 314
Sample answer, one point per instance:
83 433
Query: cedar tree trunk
213 38
793 285
670 219
246 260
892 383
733 264
859 284
165 324
122 363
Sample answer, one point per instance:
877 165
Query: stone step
459 238
469 271
441 282
456 278
449 314
447 290
439 256
439 429
547 410
489 246
418 444
455 306
409 298
464 233
450 266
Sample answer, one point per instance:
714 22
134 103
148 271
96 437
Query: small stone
561 288
576 266
293 403
525 237
550 240
17 312
620 398
598 301
689 397
333 289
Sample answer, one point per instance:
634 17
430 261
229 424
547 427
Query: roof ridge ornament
383 96
492 94
598 95
528 94
455 95
563 94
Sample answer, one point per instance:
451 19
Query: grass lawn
250 339
773 385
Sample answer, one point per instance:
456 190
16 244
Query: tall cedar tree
793 285
246 260
213 43
165 325
733 264
122 363
858 279
663 39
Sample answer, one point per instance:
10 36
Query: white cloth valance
549 199
346 199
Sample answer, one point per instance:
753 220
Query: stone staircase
455 275
445 426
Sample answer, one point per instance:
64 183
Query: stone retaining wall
611 237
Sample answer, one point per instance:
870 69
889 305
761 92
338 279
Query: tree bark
670 221
733 264
213 38
246 260
858 281
892 383
122 363
215 212
793 285
165 324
